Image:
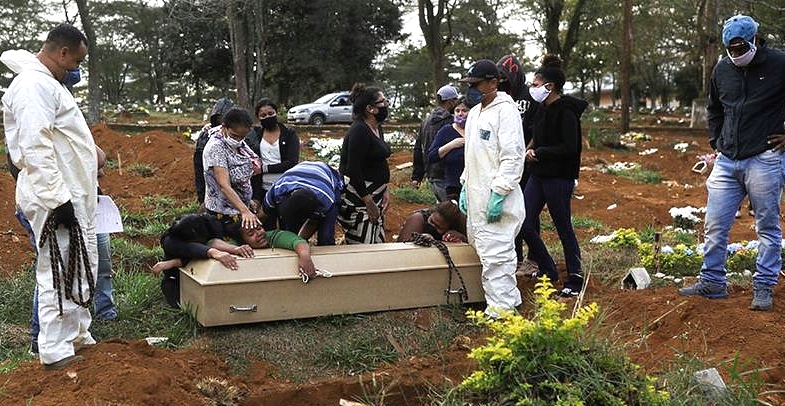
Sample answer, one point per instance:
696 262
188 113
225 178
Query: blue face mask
72 77
473 97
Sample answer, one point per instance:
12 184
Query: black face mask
269 122
381 115
473 97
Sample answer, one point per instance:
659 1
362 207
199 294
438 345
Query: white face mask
540 93
233 143
744 59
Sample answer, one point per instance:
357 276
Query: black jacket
437 119
556 132
288 145
746 105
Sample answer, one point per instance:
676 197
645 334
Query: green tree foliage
313 47
21 23
203 55
477 34
403 76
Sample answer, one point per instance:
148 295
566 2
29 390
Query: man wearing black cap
306 199
746 110
446 99
491 196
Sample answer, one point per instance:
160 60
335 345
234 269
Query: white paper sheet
107 216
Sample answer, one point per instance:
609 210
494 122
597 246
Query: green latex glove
462 200
495 205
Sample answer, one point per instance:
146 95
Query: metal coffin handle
251 308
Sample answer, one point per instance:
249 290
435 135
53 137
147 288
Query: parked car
330 108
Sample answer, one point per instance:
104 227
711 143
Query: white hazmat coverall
494 156
49 141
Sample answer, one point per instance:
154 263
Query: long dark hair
452 214
361 97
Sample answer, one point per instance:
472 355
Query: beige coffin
365 278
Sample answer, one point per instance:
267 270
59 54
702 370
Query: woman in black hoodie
554 157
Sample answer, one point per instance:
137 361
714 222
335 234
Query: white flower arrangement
327 149
399 139
686 217
622 167
629 139
648 151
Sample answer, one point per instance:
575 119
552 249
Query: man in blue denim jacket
746 111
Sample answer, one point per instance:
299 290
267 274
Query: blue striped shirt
318 177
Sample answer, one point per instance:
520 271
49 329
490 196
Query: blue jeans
556 193
103 301
761 178
34 311
439 189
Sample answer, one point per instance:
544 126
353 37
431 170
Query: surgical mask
540 93
269 122
231 142
381 115
460 120
744 59
72 77
473 97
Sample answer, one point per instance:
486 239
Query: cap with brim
483 69
739 26
447 92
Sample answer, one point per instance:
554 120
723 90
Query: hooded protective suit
494 162
49 141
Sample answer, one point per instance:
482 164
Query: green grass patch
164 211
143 170
546 223
639 175
409 194
144 313
110 164
132 256
347 344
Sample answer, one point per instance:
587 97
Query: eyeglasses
738 49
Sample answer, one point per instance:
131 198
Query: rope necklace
426 240
77 253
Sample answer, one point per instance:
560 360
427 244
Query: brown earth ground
656 326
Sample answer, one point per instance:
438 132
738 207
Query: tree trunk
93 64
706 16
626 56
246 25
238 36
431 26
553 22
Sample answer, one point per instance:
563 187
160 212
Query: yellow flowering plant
550 359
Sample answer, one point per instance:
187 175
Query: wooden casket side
365 278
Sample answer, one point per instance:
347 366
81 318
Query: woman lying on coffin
201 236
442 222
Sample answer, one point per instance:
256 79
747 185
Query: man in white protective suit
490 196
49 141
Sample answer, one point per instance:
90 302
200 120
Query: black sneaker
33 348
573 286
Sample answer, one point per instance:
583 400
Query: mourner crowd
494 156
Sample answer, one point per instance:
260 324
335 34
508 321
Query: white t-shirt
270 155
